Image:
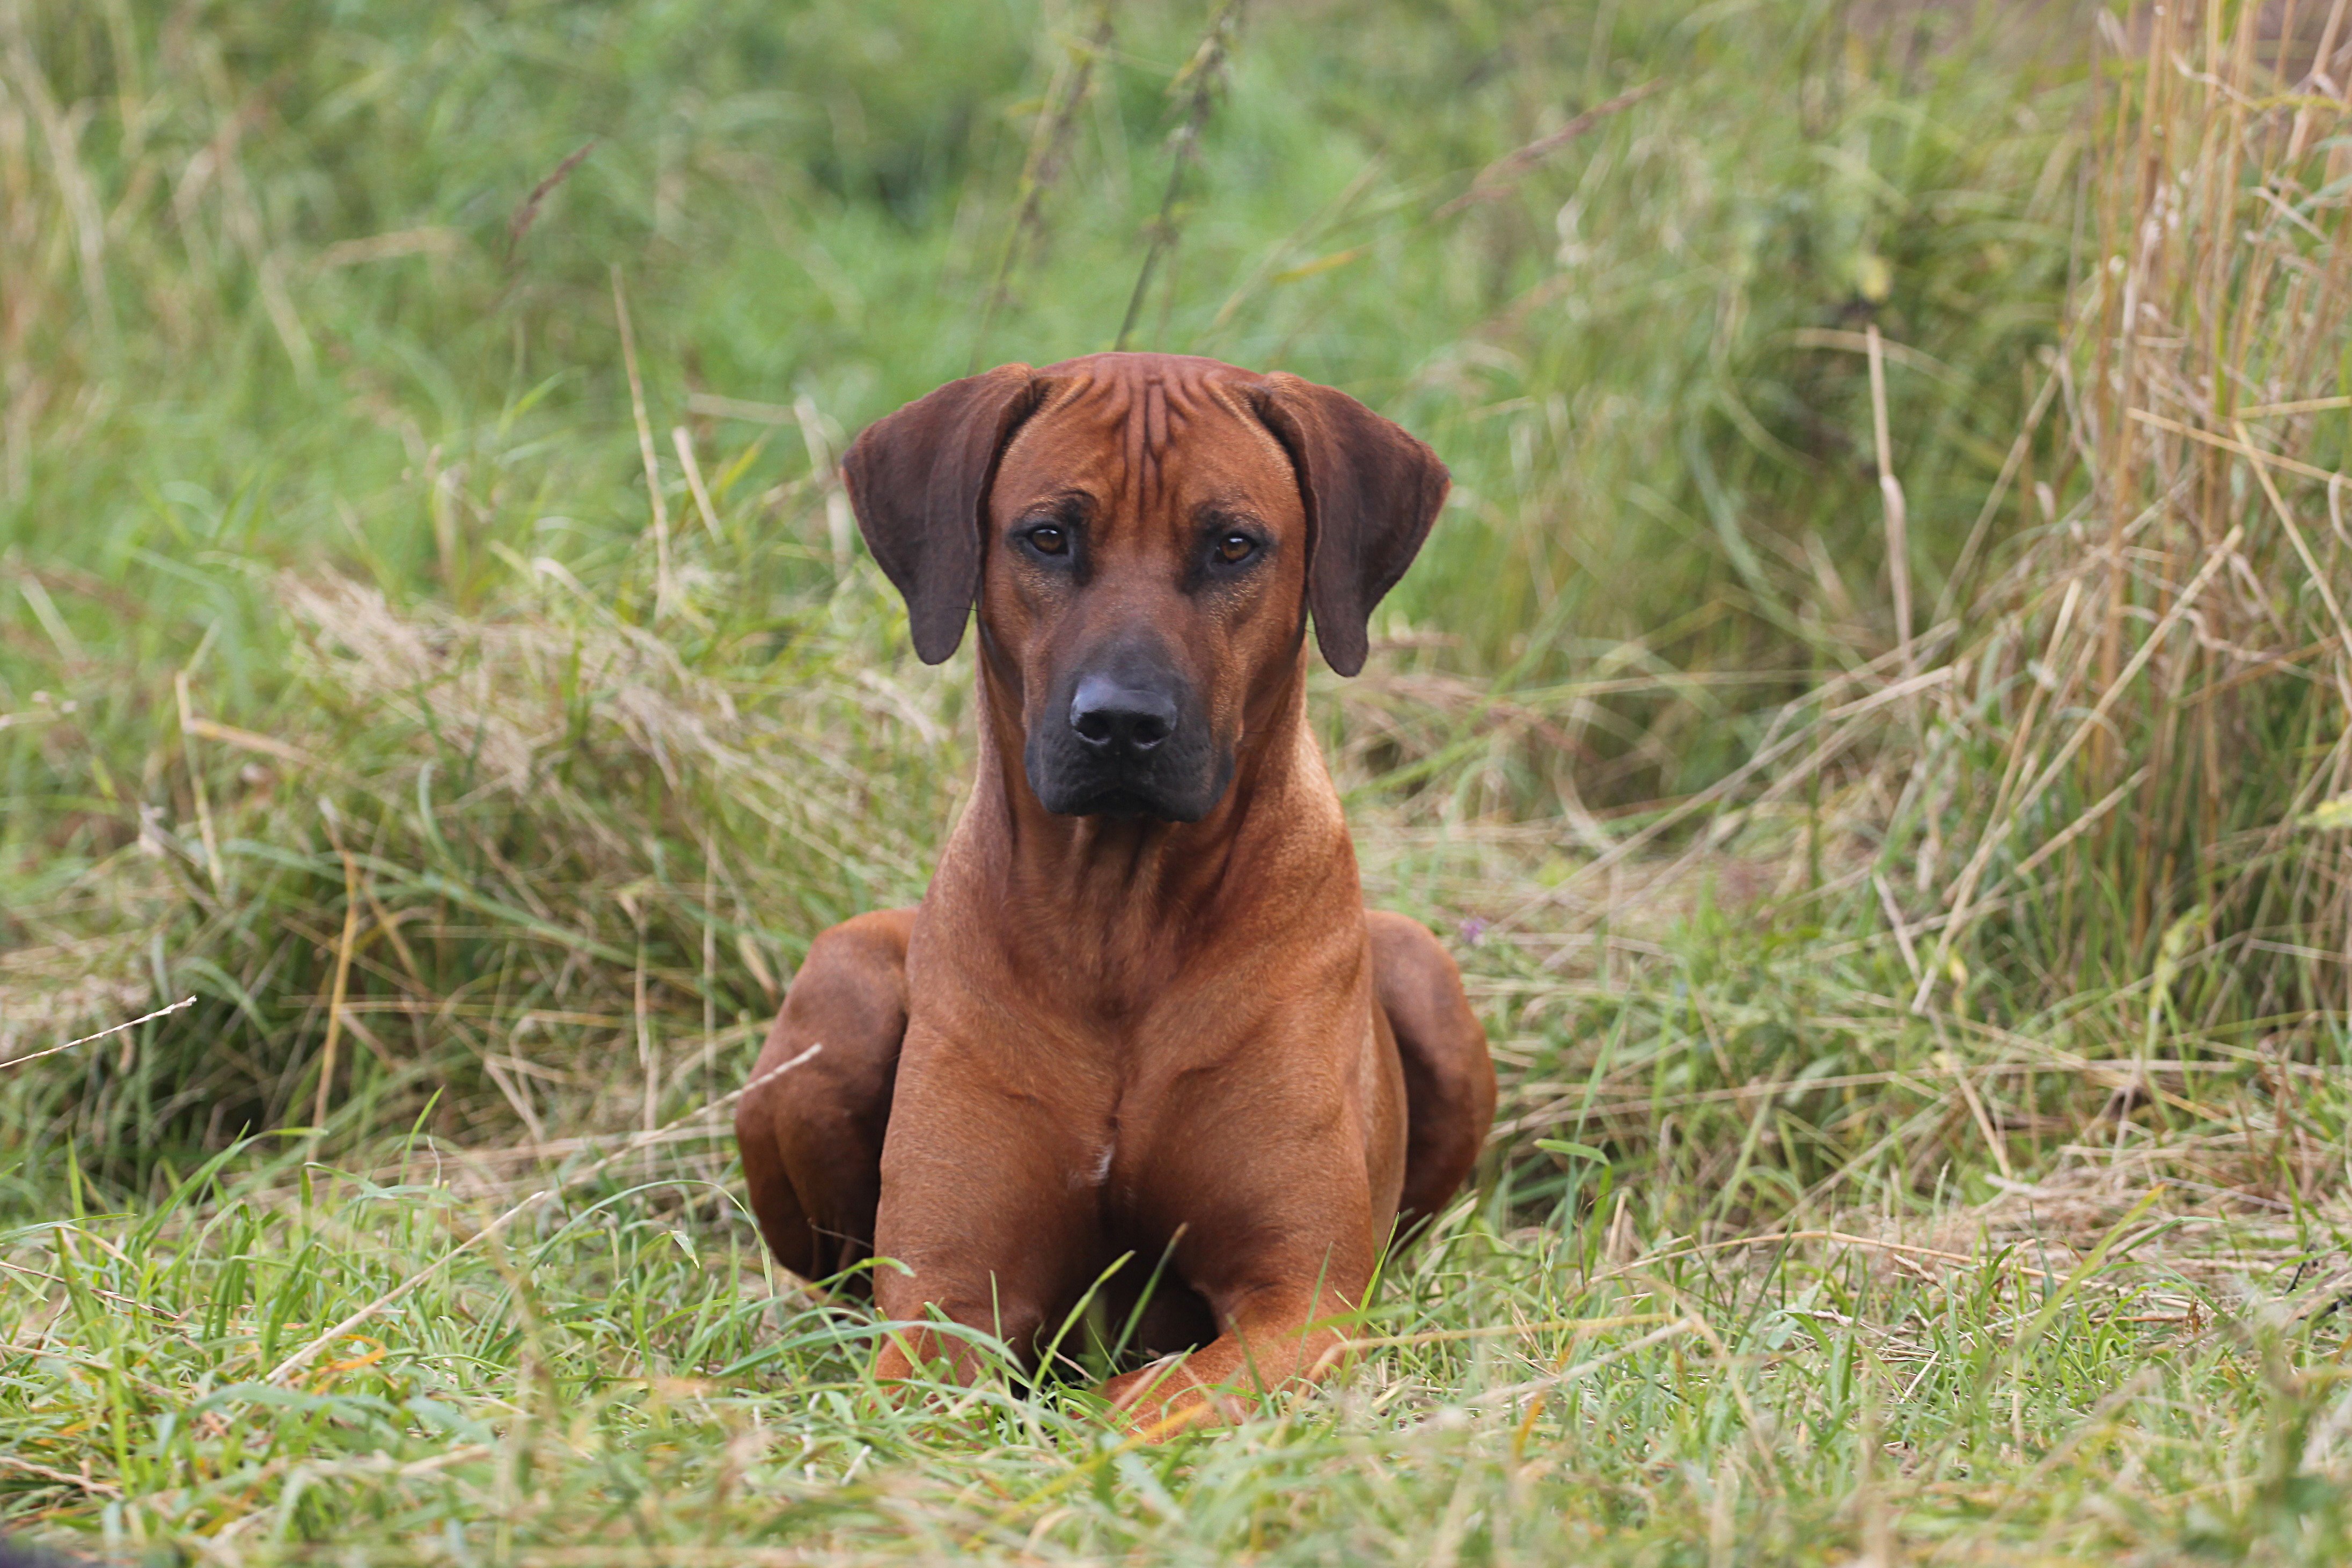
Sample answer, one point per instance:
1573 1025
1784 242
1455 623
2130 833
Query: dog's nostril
1109 716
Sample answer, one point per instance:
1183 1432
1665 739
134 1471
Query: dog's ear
919 479
1371 491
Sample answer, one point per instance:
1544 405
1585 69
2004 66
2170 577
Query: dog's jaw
1183 787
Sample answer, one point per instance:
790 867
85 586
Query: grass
1872 726
625 1383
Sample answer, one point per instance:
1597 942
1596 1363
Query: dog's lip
1122 804
1132 794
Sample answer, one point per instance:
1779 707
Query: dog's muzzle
1126 740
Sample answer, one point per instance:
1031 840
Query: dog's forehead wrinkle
1150 406
1148 436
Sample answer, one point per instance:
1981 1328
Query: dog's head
1146 535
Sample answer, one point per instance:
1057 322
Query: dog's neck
1096 891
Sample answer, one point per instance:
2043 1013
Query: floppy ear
918 480
1371 492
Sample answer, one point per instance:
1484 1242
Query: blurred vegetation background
319 429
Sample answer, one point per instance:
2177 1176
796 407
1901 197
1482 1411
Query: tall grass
2157 717
339 313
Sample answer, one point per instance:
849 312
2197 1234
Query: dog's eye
1048 541
1235 547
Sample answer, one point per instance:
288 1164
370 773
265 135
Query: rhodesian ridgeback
1142 1010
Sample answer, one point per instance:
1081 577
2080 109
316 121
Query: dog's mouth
1070 786
1124 801
1123 806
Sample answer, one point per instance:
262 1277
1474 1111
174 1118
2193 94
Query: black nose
1111 717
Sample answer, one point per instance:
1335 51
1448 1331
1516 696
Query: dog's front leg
981 1221
1276 1236
1279 1338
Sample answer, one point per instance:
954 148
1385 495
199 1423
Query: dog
1142 1010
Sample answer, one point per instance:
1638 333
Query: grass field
1871 724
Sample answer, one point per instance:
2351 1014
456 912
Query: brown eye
1048 541
1234 548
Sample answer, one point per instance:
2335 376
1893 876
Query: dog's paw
1162 1398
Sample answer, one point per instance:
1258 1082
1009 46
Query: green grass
1926 1078
623 1384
